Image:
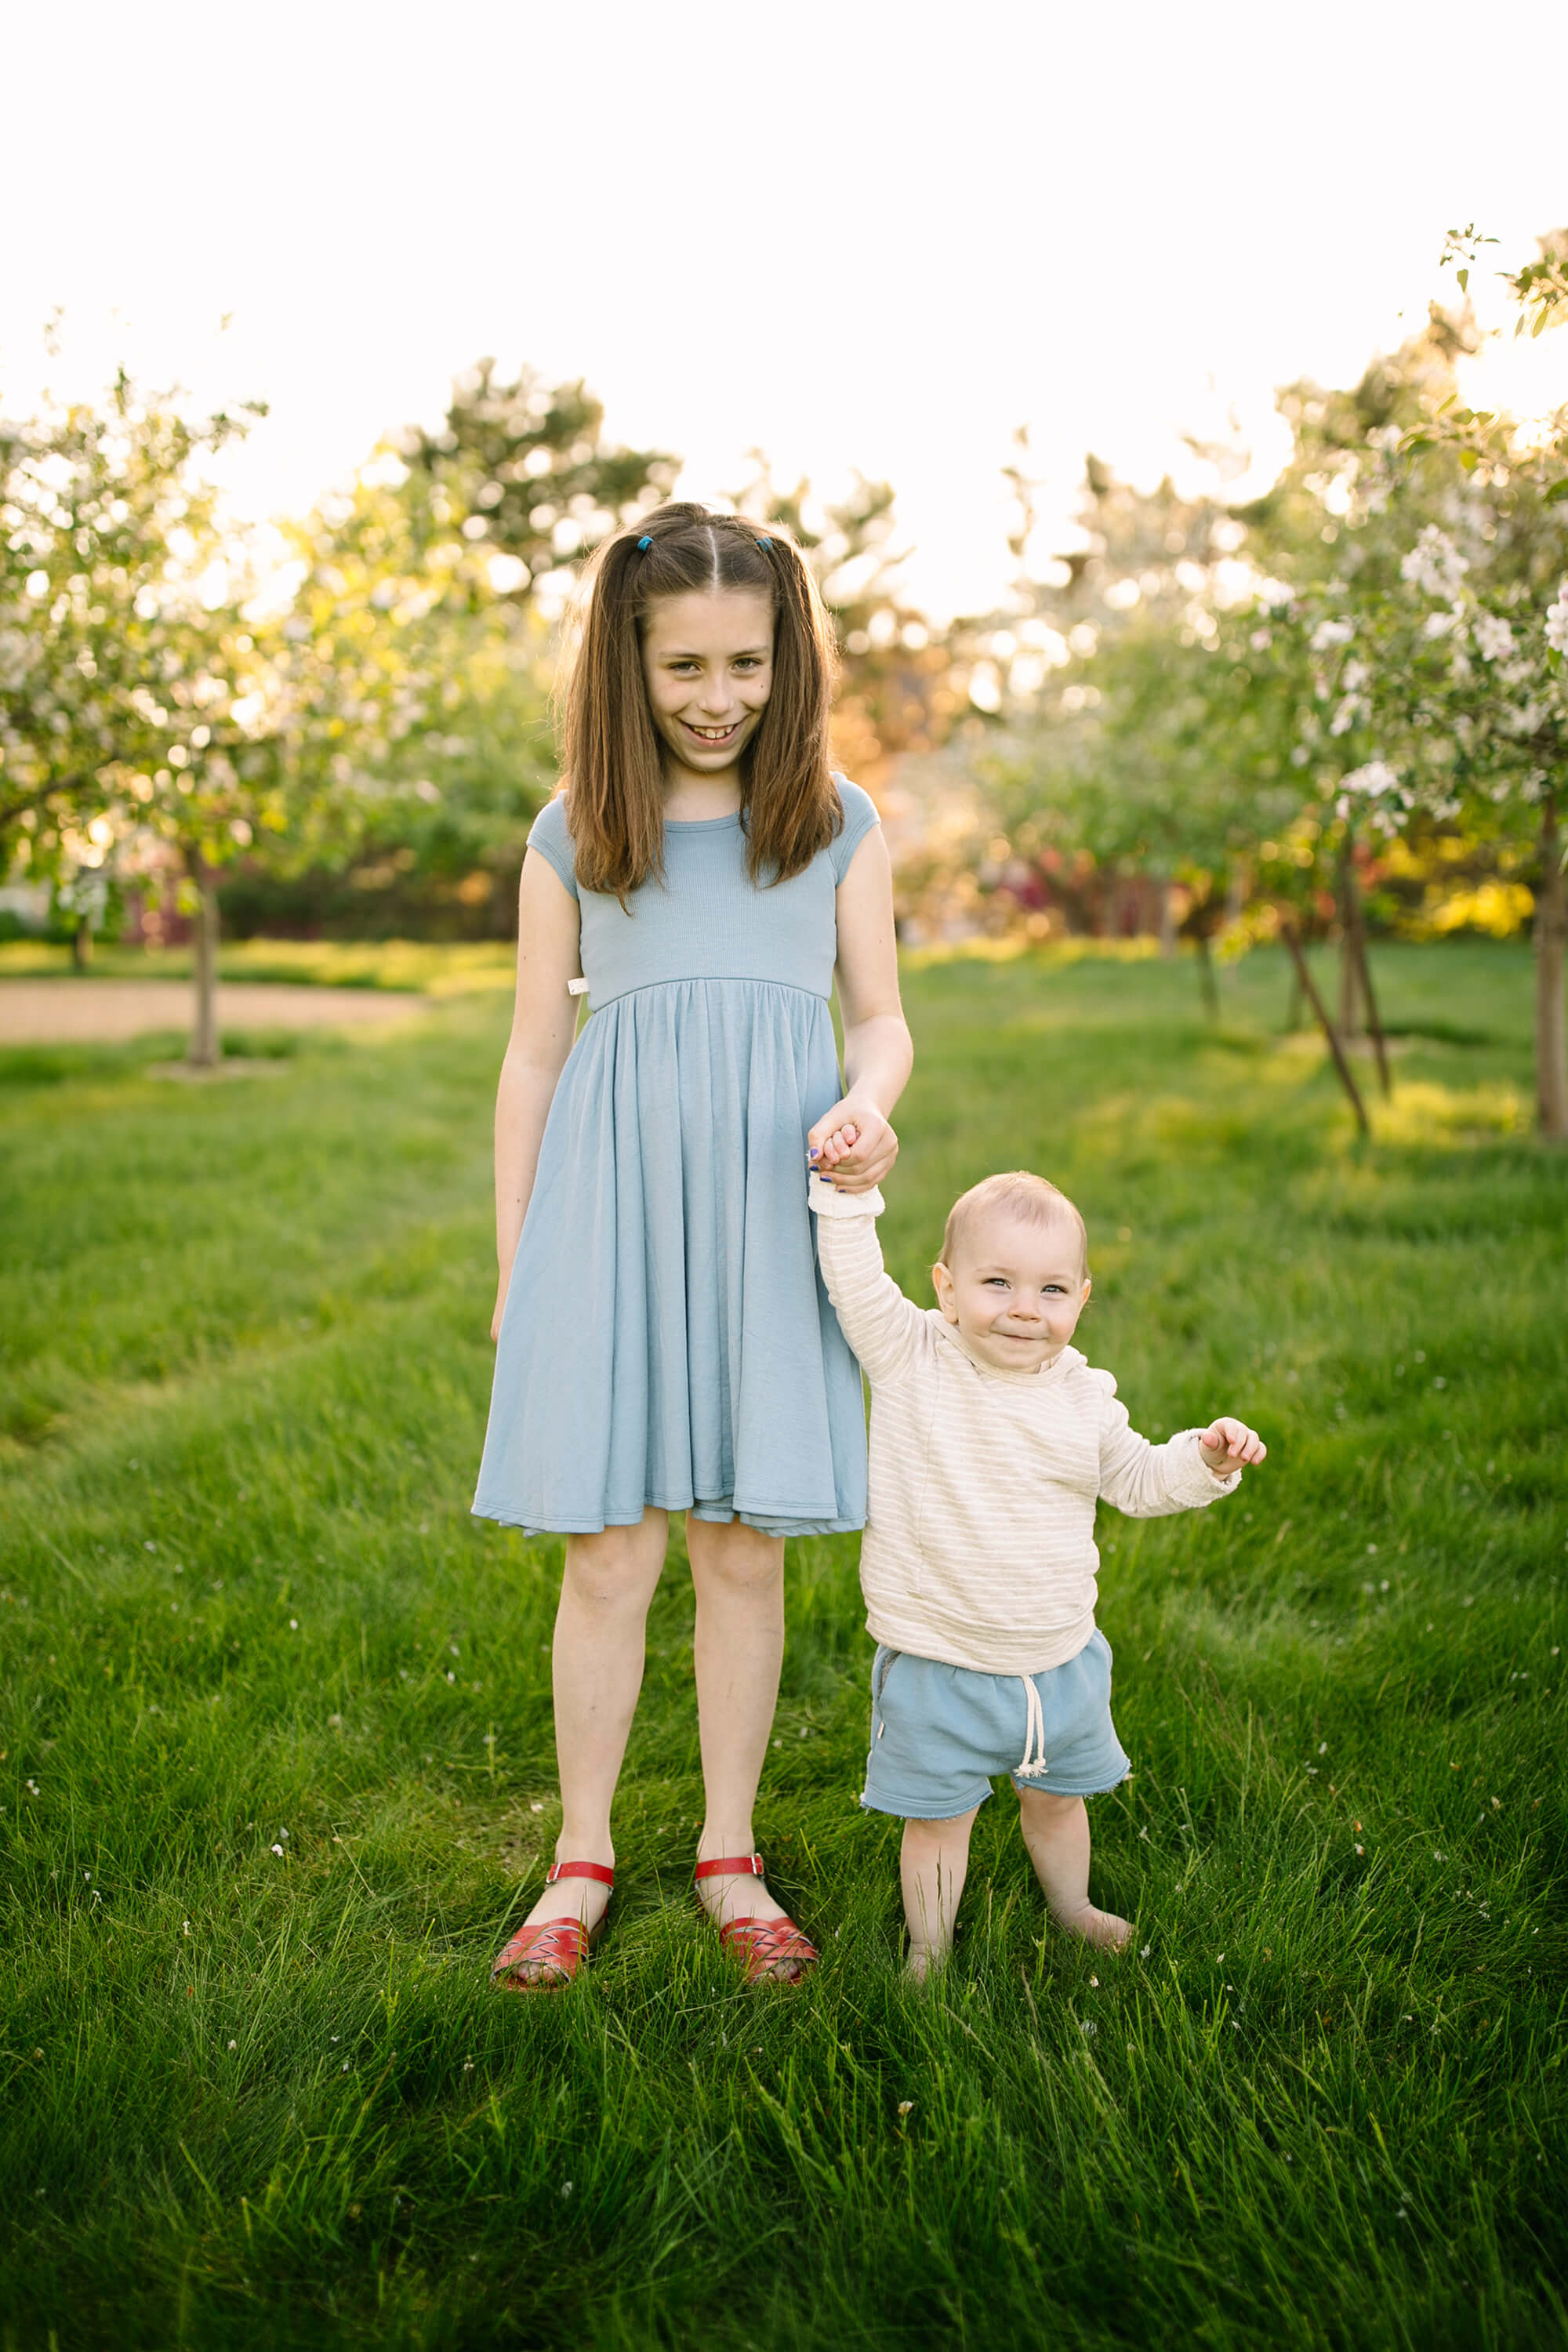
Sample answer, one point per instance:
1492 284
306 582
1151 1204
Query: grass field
276 1767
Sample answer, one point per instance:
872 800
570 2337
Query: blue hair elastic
764 542
643 546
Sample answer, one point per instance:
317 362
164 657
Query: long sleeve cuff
828 1201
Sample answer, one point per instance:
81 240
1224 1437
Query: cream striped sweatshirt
979 1545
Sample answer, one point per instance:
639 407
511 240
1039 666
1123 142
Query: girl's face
708 660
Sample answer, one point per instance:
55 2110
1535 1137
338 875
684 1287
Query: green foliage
242 1379
131 693
521 472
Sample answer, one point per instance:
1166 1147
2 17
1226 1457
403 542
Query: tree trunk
1167 921
1309 991
1207 981
1294 1004
81 943
203 1050
1550 1035
1355 968
1369 997
1350 973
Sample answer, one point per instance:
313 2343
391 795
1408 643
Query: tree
1441 641
107 564
518 482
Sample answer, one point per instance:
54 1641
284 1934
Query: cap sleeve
549 835
859 816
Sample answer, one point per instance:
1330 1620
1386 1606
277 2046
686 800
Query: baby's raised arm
880 1324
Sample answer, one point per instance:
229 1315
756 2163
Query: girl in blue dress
664 1342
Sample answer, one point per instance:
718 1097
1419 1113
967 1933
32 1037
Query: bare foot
924 1963
1102 1928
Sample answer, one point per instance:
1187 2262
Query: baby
992 1442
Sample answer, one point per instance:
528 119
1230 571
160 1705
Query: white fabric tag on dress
576 988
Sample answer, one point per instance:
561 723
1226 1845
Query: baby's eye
994 1282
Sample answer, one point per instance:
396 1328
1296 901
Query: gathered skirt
667 1337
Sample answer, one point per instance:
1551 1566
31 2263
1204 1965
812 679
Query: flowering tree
1442 644
147 713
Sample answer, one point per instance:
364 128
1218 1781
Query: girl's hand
1227 1445
852 1145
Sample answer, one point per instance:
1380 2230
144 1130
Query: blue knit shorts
940 1733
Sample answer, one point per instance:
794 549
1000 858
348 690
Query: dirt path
100 1011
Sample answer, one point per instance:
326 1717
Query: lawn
277 1777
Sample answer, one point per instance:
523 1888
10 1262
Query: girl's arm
877 1053
543 1023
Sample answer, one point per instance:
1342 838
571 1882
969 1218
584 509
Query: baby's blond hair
1021 1194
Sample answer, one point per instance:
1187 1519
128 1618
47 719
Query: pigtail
793 808
609 751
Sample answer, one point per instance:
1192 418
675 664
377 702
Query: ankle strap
731 1865
579 1869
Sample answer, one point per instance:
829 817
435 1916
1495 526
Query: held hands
852 1145
1227 1445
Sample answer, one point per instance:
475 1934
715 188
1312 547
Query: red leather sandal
760 1945
559 1945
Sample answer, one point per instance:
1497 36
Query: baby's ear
942 1282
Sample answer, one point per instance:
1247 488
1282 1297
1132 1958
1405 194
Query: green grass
474 967
266 2097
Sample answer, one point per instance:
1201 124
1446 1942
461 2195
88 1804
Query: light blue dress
667 1339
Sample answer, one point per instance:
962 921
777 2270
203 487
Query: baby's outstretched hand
1227 1445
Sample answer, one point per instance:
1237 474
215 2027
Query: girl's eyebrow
741 652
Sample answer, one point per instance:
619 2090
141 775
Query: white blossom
1493 636
1372 781
1330 633
1557 621
1434 564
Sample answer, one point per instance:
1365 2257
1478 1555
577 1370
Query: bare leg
738 1648
605 1589
1055 1831
933 1862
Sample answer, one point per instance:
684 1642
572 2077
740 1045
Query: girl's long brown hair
610 753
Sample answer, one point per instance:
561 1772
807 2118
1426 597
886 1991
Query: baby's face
1018 1290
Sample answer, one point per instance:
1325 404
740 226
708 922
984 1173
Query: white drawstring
1035 1760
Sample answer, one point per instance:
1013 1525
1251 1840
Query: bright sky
849 232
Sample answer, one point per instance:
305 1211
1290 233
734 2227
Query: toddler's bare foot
924 1963
1102 1928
